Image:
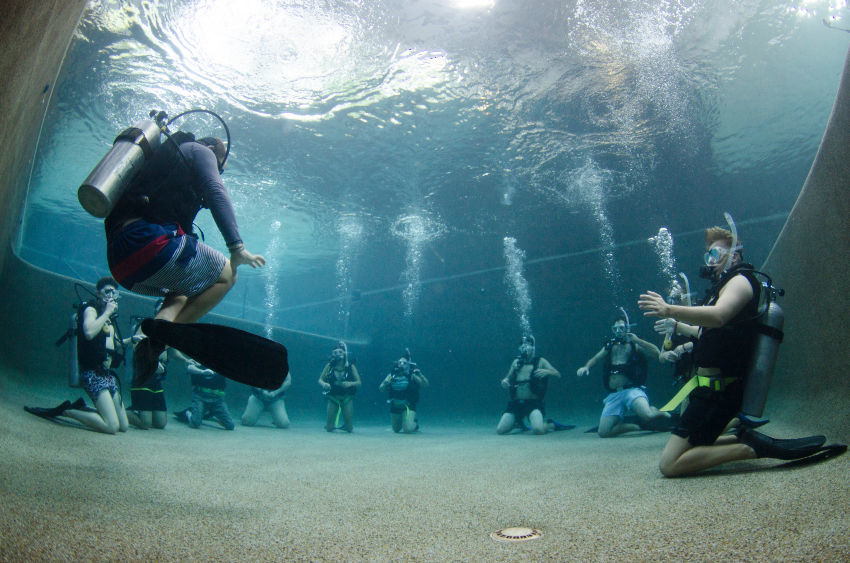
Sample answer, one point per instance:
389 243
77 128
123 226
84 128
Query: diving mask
109 294
619 330
715 255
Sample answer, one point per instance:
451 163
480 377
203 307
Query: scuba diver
727 329
100 349
150 245
527 381
403 383
273 401
208 397
677 348
340 380
624 377
148 408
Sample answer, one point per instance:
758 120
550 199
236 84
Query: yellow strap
694 382
339 404
714 383
681 395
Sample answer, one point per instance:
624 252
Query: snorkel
734 247
627 326
344 348
712 270
626 317
687 295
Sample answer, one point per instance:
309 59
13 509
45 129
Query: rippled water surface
386 148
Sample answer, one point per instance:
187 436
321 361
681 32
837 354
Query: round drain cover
516 534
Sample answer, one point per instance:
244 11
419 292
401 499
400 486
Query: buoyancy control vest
537 385
403 387
164 191
635 369
730 347
336 380
91 354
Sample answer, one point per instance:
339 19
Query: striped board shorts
152 259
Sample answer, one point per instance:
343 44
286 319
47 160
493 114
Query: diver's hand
506 384
670 356
653 305
111 308
240 255
630 337
325 386
582 371
664 326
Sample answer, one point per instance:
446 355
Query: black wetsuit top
177 193
90 353
730 347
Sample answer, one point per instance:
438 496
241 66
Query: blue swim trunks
619 403
153 259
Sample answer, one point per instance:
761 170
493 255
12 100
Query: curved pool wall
808 259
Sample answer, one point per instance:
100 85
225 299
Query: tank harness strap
770 331
713 383
136 136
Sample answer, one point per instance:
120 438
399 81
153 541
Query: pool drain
516 534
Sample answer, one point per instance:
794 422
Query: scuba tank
104 186
769 335
73 355
73 365
130 151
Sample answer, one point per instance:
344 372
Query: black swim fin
765 446
49 413
826 452
235 354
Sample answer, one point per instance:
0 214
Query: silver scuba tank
73 364
104 186
765 348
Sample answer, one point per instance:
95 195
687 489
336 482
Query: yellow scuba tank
765 348
104 186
